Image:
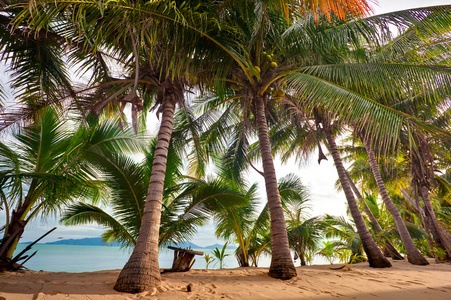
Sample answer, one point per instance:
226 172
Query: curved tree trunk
416 203
389 250
413 255
375 257
423 177
243 261
440 236
282 265
302 257
142 271
16 226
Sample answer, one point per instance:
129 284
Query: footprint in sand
397 286
415 282
434 289
333 294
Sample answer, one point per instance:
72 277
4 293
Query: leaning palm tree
413 255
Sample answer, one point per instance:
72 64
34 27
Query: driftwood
183 259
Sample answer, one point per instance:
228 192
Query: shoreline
402 281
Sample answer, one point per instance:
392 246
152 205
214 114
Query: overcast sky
320 179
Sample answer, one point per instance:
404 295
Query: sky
320 179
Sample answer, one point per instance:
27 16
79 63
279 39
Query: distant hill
81 242
98 242
186 245
219 246
84 242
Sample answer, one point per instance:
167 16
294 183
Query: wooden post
183 259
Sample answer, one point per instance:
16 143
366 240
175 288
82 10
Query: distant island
97 241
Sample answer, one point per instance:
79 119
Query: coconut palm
322 80
187 202
161 45
47 165
305 237
413 255
281 261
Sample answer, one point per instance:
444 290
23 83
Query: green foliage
220 254
187 202
208 260
48 164
328 251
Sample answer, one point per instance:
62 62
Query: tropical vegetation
235 83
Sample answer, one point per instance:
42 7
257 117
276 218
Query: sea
78 258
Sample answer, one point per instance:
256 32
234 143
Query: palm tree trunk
388 249
423 174
413 255
142 271
375 257
282 265
302 257
440 236
416 203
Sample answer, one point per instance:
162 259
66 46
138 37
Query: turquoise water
68 258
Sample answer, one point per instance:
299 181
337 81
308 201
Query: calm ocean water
68 258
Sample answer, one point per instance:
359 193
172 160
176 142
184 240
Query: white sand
402 281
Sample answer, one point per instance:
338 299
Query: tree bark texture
142 271
413 255
376 258
388 249
440 236
282 265
423 174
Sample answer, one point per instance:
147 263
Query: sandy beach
402 281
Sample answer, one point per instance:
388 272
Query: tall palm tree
375 257
253 84
413 255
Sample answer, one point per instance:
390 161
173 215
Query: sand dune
402 281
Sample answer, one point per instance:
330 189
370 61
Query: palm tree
325 83
375 256
349 240
47 165
413 255
282 266
220 255
262 46
187 202
165 46
305 237
328 251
